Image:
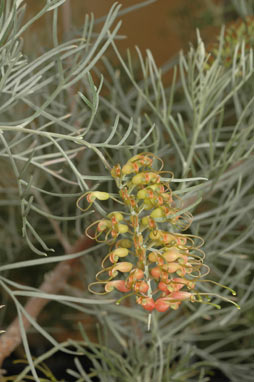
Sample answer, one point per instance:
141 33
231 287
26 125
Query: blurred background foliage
199 119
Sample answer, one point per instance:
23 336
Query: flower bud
161 305
122 267
178 283
155 235
116 171
171 254
122 228
163 287
97 195
162 237
117 284
167 196
118 252
147 221
137 273
145 178
124 243
171 267
153 257
141 286
157 187
181 296
117 216
148 205
156 272
157 213
103 225
141 194
146 302
143 160
127 169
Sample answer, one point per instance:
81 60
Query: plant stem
53 282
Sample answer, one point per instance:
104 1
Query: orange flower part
116 171
103 225
156 272
145 178
180 282
117 284
147 303
163 304
122 267
141 286
181 296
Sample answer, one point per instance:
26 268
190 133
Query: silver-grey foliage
63 125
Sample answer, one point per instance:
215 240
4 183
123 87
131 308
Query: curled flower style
148 257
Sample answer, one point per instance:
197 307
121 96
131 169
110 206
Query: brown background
164 27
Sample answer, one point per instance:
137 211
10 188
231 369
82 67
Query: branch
54 281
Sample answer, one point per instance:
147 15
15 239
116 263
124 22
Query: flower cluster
236 33
149 257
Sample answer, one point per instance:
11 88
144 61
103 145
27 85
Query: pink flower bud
171 254
171 267
164 276
177 284
118 284
141 286
163 287
146 302
122 267
156 272
182 296
136 274
180 282
162 304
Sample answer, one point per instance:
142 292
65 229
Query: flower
238 32
160 264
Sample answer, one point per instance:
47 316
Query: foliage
63 126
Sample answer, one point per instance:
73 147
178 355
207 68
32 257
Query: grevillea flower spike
148 257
